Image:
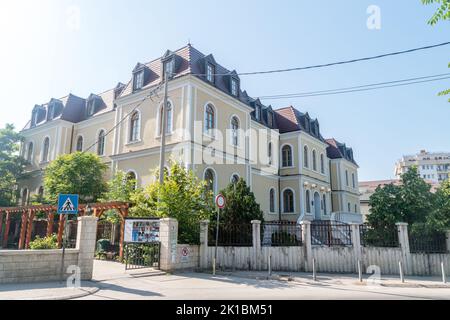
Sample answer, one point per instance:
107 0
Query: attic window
169 68
234 87
270 119
258 112
91 107
138 81
210 73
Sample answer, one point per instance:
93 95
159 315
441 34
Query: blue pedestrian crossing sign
68 204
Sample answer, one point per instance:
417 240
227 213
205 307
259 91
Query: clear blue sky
45 53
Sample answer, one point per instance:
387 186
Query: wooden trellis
29 212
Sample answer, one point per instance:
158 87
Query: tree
439 219
241 206
12 165
442 13
182 196
77 173
411 202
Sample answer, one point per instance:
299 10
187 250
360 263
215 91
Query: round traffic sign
220 201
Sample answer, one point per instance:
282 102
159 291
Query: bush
46 243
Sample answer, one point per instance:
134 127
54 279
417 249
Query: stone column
256 247
204 231
168 236
307 245
403 239
356 242
86 241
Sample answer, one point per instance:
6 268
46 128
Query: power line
335 63
367 87
148 96
348 90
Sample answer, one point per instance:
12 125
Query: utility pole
163 129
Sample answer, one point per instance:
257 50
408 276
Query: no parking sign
185 254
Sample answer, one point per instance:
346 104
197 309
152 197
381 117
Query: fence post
168 236
256 241
403 239
356 242
204 228
307 246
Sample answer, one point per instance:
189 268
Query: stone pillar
356 242
307 245
204 231
86 240
403 239
448 241
168 236
256 247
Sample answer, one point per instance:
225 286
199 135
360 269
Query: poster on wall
141 230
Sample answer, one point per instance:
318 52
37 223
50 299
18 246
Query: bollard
400 266
270 265
214 266
360 271
444 278
314 269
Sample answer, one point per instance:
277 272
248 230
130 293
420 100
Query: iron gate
142 255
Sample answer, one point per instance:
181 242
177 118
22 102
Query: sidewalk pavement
343 279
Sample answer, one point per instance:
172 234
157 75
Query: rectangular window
169 68
270 119
234 87
138 80
210 73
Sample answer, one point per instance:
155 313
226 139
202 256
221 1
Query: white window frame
282 201
98 142
210 132
138 80
43 149
292 156
168 119
130 127
76 143
238 133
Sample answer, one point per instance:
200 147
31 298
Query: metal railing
428 242
331 233
231 235
378 238
281 234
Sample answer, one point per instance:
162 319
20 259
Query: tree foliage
241 207
182 196
77 173
12 165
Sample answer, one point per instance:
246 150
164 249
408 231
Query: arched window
80 144
235 131
210 121
272 200
322 164
210 180
45 149
308 201
24 197
314 155
101 143
131 177
325 204
234 179
286 154
346 178
169 114
41 192
305 157
269 153
135 126
30 151
288 201
353 181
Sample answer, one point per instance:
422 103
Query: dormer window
91 107
270 119
258 112
138 82
210 73
169 68
234 87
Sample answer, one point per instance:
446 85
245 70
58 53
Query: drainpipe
71 138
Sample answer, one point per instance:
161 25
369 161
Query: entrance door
317 207
142 255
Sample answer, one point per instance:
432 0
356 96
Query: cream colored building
213 127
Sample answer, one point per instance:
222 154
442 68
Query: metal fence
428 242
331 233
281 234
378 238
231 235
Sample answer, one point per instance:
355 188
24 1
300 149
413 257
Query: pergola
29 212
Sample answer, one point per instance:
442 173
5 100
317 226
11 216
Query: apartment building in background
213 127
432 166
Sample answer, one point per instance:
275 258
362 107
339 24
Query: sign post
67 205
220 203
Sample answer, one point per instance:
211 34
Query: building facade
433 167
212 127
